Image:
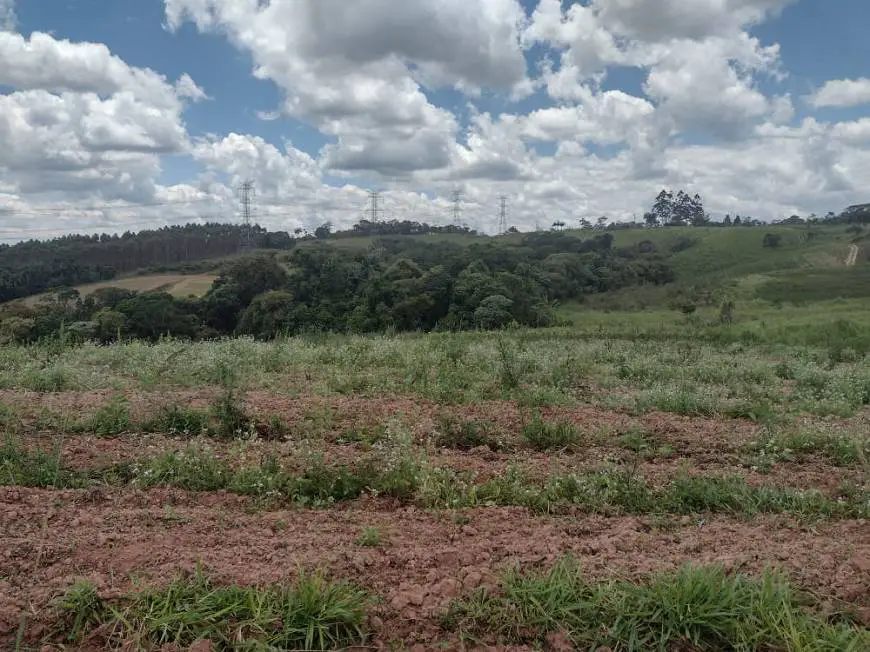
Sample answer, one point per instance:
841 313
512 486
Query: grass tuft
544 436
20 467
695 608
112 419
178 421
461 434
228 411
370 537
82 611
313 614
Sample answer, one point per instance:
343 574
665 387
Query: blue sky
573 111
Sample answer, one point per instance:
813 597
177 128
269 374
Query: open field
178 285
634 481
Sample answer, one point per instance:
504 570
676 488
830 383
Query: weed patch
678 401
839 448
178 421
20 467
112 419
510 366
695 608
370 537
544 436
228 412
312 614
461 434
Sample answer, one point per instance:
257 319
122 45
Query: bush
771 241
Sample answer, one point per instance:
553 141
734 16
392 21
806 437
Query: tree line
397 284
32 267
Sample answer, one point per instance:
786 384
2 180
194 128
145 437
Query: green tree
111 325
154 314
323 231
253 276
493 312
268 315
663 207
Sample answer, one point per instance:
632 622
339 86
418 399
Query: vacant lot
690 487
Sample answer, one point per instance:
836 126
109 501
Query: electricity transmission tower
502 214
457 208
246 207
374 210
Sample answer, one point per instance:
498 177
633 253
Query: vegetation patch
110 420
839 447
545 436
411 480
19 467
463 434
312 614
178 421
370 537
696 608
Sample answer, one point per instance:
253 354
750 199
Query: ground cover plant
694 608
311 614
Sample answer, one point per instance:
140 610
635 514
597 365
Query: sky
127 115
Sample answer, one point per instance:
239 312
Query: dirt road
853 256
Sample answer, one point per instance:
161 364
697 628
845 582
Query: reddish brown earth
113 536
110 537
335 415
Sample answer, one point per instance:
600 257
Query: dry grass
177 285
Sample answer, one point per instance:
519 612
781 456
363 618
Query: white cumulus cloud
842 93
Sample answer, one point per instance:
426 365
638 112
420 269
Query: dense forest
397 284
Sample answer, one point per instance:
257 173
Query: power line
502 214
246 205
374 210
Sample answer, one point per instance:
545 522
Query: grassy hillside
719 253
711 260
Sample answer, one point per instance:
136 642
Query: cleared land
177 285
178 479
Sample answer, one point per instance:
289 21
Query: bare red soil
110 537
115 536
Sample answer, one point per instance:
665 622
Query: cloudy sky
132 114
